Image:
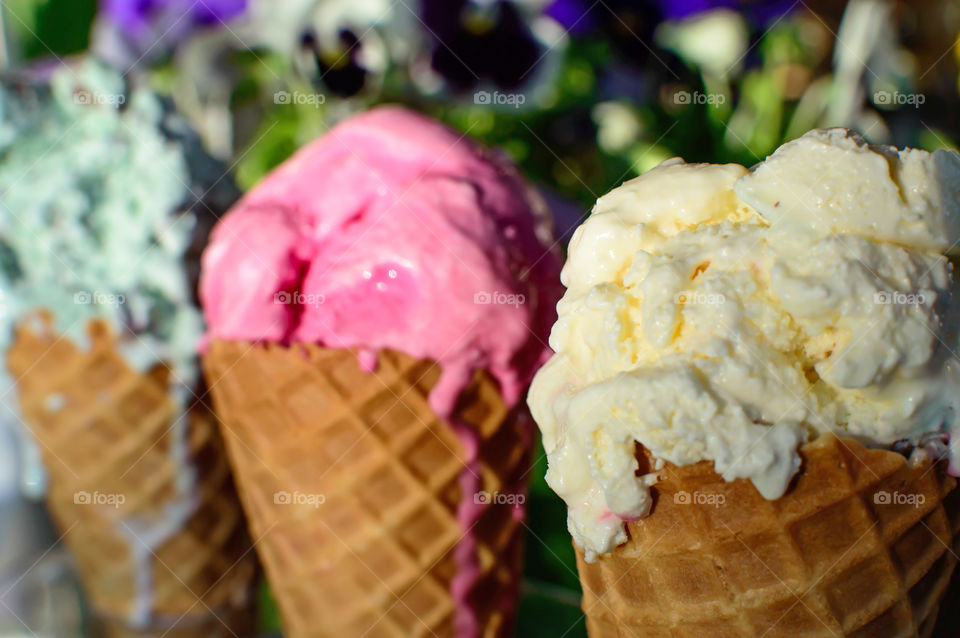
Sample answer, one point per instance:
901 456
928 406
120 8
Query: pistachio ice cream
105 200
104 191
715 313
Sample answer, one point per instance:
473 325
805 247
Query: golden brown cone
377 557
849 550
106 430
230 623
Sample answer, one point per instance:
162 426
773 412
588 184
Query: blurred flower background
582 94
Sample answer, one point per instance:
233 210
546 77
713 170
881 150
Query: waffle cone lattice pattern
859 546
377 557
107 432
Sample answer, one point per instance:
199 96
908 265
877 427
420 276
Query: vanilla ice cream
715 313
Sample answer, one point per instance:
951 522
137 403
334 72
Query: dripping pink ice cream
393 231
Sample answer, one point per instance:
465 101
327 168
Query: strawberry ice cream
393 232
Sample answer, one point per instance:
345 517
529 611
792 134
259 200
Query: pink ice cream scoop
393 231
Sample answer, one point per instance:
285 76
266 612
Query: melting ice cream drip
145 535
383 280
468 513
703 300
130 246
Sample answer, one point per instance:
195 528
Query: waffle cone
860 545
107 432
236 622
384 554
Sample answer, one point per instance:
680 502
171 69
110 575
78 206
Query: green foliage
45 27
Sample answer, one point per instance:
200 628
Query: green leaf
547 611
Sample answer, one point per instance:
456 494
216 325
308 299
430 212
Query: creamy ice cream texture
393 231
99 207
715 313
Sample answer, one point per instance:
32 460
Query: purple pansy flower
760 11
474 42
129 30
139 16
579 16
572 15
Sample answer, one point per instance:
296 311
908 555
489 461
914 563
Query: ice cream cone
860 545
232 623
373 516
143 496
